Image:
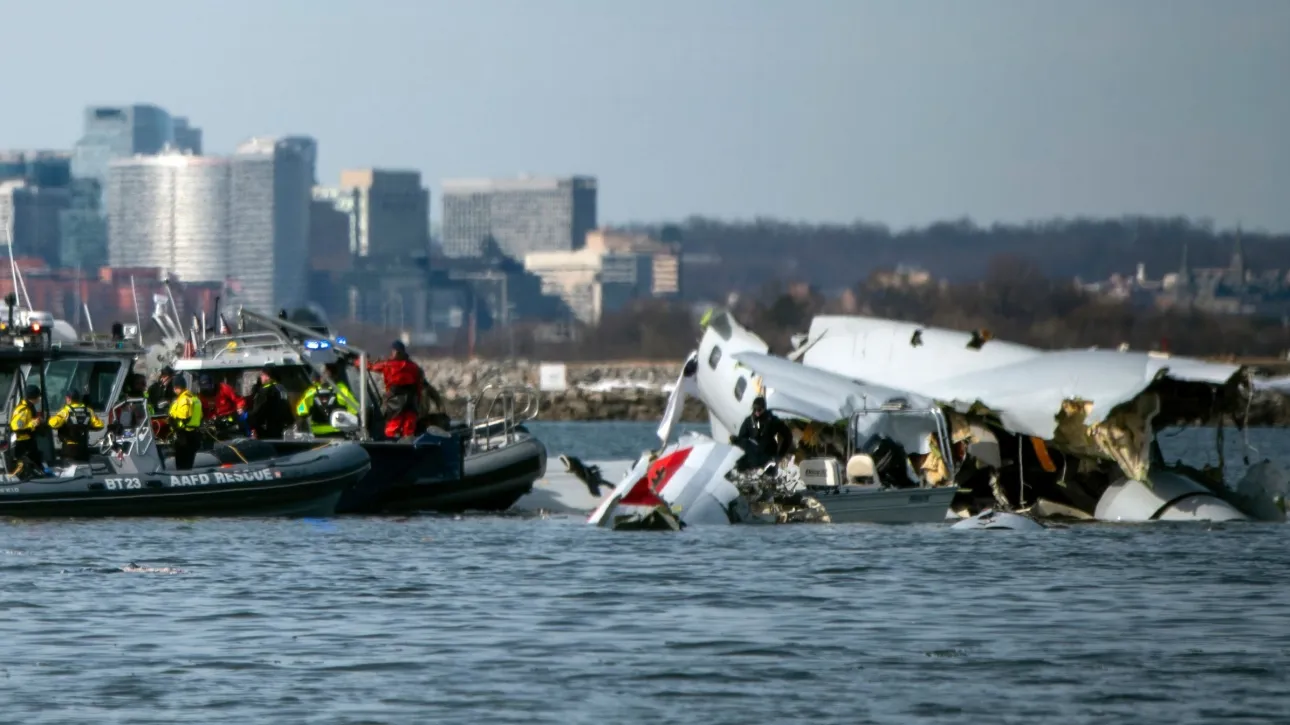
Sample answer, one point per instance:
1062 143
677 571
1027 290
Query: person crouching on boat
402 379
23 423
764 433
323 397
74 421
185 415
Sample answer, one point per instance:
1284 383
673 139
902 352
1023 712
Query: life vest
76 428
186 411
324 402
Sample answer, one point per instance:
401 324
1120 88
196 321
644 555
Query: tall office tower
34 193
393 211
521 215
187 138
170 211
113 132
110 132
270 191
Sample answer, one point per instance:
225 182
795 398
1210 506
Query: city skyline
895 112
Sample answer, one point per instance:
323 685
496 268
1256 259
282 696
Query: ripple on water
515 620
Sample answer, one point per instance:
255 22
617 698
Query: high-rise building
170 211
269 198
187 138
113 132
31 214
519 215
84 226
242 220
34 193
393 213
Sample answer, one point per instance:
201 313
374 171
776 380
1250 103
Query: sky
895 111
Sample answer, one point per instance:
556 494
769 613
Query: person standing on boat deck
74 421
770 434
23 423
321 398
185 420
402 379
269 415
160 393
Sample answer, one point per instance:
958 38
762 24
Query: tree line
833 256
1013 298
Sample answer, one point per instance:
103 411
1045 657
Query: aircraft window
720 324
714 357
740 386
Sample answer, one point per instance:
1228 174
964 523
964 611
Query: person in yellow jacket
74 421
185 415
325 395
23 423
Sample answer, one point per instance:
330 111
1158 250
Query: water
508 620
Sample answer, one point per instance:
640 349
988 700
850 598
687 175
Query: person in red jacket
226 400
403 379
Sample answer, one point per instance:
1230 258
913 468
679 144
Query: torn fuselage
1069 425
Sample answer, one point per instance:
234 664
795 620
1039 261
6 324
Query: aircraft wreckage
894 422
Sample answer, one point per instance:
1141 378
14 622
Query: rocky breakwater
627 390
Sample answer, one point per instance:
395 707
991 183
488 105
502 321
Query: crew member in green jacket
328 393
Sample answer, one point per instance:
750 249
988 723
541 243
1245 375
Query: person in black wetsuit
162 393
270 414
764 432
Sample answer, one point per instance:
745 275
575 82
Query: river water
511 620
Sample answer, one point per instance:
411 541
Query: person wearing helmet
74 421
23 424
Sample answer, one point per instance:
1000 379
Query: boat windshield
295 378
95 378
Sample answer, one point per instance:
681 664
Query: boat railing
494 415
136 437
215 347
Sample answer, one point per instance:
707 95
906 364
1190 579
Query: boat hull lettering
221 477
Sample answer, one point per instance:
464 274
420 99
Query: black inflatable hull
491 481
309 483
434 475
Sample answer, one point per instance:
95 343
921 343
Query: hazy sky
900 111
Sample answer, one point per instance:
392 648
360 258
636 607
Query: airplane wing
795 389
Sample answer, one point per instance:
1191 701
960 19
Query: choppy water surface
501 619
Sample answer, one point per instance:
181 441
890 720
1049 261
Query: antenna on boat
215 318
138 320
80 301
88 319
173 307
18 284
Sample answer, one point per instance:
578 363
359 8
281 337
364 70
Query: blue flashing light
341 341
317 344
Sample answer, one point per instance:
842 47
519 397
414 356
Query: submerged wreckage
895 422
